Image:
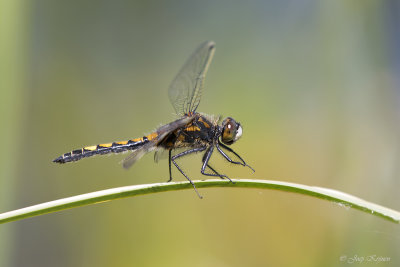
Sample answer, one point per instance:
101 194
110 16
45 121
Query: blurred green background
315 85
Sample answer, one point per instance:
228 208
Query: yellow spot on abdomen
106 145
152 136
122 143
91 148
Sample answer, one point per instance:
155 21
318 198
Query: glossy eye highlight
231 131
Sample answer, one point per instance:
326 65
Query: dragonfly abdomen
101 149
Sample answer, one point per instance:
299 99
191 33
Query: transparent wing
137 154
185 90
160 154
162 132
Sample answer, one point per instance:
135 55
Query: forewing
162 133
185 90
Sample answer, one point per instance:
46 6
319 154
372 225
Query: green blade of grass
338 197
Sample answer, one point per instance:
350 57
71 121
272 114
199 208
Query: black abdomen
101 149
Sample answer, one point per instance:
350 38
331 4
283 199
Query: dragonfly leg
169 164
184 153
243 163
206 159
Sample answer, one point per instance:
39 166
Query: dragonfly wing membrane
185 90
161 134
136 155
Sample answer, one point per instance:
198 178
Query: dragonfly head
231 131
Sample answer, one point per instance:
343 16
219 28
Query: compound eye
231 131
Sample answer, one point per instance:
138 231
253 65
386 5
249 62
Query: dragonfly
192 133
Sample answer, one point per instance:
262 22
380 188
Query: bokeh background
314 83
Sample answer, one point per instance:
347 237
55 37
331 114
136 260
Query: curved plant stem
338 197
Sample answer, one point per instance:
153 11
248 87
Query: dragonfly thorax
231 131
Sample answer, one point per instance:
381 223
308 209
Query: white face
238 133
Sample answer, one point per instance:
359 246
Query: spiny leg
206 159
187 152
243 163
